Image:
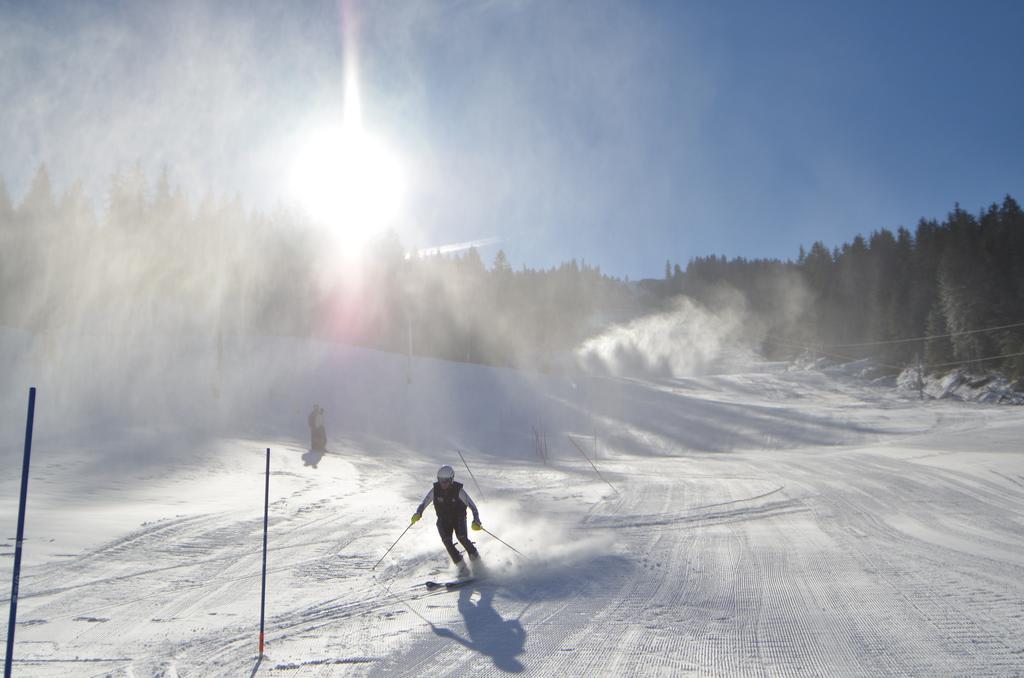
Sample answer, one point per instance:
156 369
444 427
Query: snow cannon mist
688 340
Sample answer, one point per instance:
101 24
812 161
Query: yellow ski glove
477 526
415 517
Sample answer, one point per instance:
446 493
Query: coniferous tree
6 206
39 206
898 300
1004 243
965 290
938 348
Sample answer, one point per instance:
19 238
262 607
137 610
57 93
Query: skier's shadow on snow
500 639
312 457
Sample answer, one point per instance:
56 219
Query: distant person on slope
317 432
450 502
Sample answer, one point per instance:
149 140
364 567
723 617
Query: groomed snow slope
762 523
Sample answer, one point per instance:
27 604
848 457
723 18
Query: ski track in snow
893 551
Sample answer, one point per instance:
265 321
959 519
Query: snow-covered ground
763 522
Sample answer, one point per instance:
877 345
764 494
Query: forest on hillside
949 294
152 260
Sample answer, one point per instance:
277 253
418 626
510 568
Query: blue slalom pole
21 532
266 516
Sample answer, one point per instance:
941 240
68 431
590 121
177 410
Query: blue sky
621 133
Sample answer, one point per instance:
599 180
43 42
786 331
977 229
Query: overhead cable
827 353
933 336
978 360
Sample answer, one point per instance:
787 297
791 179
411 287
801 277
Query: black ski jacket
451 503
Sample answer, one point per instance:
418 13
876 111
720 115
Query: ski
449 585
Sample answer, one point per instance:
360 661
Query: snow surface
768 521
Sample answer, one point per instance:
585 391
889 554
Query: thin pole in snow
266 516
920 378
479 491
21 532
576 445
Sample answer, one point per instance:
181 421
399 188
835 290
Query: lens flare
348 181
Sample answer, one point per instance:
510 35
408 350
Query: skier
450 502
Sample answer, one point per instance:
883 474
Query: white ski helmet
445 473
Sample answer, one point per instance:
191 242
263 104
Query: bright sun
348 181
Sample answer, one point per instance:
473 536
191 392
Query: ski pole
470 473
392 546
505 543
